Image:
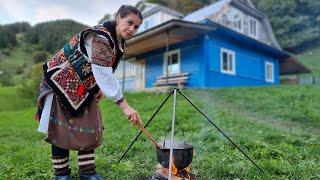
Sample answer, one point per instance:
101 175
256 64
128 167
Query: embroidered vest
69 72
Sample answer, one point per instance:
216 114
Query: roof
244 5
155 37
203 13
248 3
180 30
247 8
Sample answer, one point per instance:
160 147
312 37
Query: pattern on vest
57 60
69 72
102 54
68 82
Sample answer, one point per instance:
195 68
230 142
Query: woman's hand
131 114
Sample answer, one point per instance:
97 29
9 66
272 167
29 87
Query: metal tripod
174 92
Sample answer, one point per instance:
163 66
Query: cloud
34 11
53 12
14 10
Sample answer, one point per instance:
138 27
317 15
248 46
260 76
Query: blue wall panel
250 64
191 60
154 68
201 58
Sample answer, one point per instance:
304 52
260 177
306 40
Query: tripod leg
196 107
145 127
172 131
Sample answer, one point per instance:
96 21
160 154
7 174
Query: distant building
228 43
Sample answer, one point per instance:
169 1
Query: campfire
181 160
162 173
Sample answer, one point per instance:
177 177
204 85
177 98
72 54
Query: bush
5 78
20 70
6 52
39 56
30 88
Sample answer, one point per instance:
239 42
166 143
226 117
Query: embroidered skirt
75 133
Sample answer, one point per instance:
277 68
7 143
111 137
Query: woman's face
128 26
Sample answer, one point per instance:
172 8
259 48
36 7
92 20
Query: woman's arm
100 55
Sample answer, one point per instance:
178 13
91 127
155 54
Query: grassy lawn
311 59
278 127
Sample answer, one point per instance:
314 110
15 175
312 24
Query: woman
74 81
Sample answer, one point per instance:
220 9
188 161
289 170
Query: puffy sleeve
101 58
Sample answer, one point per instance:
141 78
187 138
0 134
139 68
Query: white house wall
226 17
166 17
153 20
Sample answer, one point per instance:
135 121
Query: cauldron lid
176 144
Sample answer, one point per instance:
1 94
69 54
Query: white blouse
104 77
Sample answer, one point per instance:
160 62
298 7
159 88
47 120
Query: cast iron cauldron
182 154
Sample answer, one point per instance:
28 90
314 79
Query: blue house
226 44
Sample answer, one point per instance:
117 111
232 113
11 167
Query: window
227 61
172 59
269 72
146 24
237 22
151 21
253 27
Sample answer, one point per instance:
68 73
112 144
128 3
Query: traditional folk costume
68 97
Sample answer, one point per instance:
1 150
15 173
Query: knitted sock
86 162
60 160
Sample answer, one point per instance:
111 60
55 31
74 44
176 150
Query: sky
87 12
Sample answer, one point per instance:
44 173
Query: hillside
264 121
16 62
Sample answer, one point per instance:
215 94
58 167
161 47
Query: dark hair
125 10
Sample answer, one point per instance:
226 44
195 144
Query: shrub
5 78
30 87
6 52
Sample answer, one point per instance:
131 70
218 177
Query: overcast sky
88 12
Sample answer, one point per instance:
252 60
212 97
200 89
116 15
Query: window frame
257 27
241 19
268 63
229 52
165 61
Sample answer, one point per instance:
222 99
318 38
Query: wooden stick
149 135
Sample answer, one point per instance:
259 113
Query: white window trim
147 23
233 72
257 28
165 61
241 16
267 63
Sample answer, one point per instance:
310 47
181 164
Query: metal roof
203 13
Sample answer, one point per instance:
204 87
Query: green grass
11 99
311 59
18 63
261 120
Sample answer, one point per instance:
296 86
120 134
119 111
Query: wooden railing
178 80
